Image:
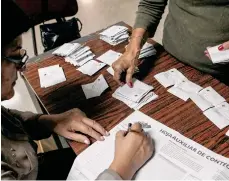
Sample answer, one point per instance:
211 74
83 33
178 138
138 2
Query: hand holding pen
132 149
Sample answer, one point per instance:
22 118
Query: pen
128 129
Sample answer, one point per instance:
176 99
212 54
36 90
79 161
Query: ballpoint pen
128 129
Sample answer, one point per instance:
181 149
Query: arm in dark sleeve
35 129
149 14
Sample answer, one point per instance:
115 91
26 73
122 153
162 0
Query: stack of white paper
115 35
51 75
80 56
66 49
218 56
95 88
109 57
137 96
147 50
75 53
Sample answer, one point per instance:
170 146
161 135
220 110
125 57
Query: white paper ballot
113 30
215 117
177 75
66 49
87 59
95 88
212 96
51 75
147 50
115 35
176 91
164 79
201 102
223 109
133 105
170 77
109 57
80 56
176 157
188 86
136 93
147 99
110 70
91 67
80 52
218 56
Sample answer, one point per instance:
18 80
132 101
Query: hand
127 62
72 121
131 151
222 47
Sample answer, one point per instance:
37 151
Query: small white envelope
218 56
179 93
202 103
223 108
91 67
95 88
214 116
188 86
109 57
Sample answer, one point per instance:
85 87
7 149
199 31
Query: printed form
176 157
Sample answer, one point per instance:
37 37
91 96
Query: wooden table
184 117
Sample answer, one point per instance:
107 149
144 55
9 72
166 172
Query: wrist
133 48
48 121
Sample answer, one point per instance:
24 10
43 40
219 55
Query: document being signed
176 157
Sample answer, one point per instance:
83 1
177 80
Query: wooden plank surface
184 117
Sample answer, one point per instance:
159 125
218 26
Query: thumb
224 46
120 134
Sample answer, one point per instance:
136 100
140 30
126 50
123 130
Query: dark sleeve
149 14
7 172
32 126
108 175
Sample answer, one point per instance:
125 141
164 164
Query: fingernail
220 47
107 133
87 142
130 84
102 138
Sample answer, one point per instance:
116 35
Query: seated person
19 129
190 27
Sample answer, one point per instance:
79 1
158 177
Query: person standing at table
19 159
190 27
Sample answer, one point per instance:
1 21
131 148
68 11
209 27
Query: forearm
149 14
137 40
